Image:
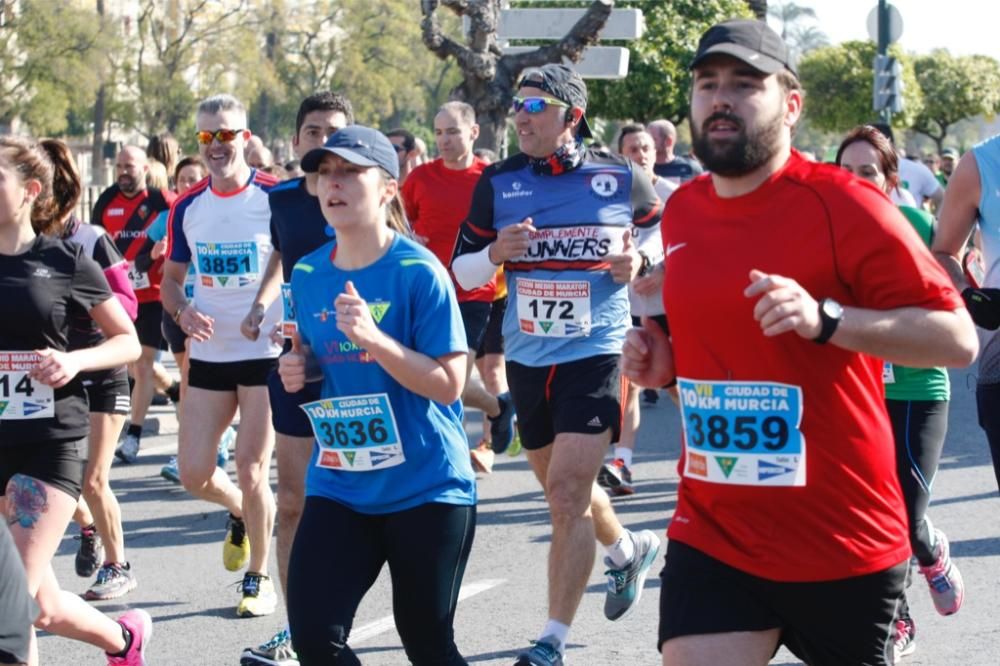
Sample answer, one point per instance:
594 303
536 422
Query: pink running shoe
944 579
140 625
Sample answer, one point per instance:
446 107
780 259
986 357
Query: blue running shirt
380 447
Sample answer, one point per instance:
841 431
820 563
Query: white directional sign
555 23
599 62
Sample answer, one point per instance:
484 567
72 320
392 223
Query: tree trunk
759 9
100 120
489 75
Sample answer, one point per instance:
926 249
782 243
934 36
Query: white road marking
384 624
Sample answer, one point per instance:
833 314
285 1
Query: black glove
984 306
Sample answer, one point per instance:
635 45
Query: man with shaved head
673 168
125 210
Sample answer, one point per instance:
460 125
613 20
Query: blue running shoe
543 652
625 584
502 427
225 443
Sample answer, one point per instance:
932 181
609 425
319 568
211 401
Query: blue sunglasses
536 104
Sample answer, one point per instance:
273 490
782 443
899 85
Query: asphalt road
174 543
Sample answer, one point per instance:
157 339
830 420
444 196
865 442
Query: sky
964 27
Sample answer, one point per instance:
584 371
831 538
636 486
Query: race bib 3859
744 433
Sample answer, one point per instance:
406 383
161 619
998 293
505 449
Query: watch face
832 309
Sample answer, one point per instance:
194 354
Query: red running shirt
437 201
126 220
788 471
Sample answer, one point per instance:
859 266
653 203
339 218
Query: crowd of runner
339 304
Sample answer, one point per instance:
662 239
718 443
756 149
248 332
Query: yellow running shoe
236 548
514 449
259 597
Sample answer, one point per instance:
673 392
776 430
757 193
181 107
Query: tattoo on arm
27 500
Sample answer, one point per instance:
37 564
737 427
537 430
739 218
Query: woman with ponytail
48 284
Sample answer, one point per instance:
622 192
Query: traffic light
888 88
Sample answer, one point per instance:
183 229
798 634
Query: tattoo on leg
26 501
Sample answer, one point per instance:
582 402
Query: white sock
622 550
559 631
625 455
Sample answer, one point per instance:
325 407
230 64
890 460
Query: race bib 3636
356 433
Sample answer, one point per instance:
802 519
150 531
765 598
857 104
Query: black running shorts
286 414
475 317
492 342
583 396
830 623
107 391
59 464
148 323
228 376
173 334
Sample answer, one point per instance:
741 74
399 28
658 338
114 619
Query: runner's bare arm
270 287
912 336
958 218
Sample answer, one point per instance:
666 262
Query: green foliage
839 82
658 80
955 88
50 63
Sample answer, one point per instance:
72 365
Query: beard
750 149
126 184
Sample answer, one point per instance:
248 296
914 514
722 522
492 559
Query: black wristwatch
645 266
830 314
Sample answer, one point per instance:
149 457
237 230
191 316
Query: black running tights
919 427
336 557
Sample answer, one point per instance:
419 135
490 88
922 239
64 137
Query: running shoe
616 478
482 458
128 450
543 652
113 580
225 443
502 427
259 597
625 584
236 548
944 579
170 471
276 652
650 396
140 625
91 552
904 641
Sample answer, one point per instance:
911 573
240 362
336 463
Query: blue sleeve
179 250
157 231
438 328
299 284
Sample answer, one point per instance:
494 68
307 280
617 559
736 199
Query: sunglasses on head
223 136
536 104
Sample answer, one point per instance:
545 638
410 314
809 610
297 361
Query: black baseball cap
753 42
565 85
359 145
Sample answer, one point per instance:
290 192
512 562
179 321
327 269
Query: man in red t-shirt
437 196
125 210
786 284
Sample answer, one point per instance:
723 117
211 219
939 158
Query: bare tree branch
585 33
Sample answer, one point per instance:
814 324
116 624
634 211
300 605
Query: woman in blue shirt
390 479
